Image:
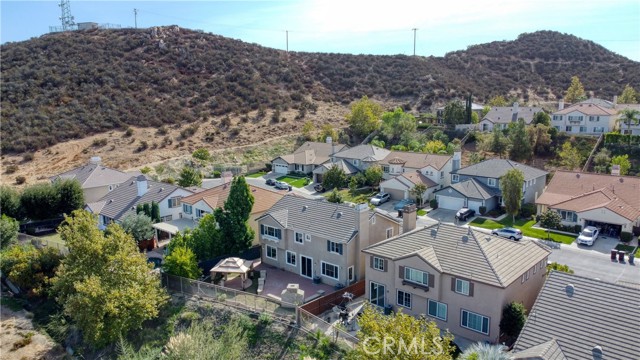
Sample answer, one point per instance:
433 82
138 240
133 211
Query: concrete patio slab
278 279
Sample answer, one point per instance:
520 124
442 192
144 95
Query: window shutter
371 261
470 289
432 280
401 272
340 248
384 267
261 229
328 245
453 284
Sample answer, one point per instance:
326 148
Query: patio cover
172 227
233 265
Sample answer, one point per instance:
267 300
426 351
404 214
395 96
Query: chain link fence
313 324
42 243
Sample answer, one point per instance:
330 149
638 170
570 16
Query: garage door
280 169
396 194
451 203
475 205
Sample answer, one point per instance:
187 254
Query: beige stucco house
458 277
306 158
316 238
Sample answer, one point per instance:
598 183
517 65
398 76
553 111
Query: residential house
403 170
306 158
476 108
196 206
122 200
479 185
588 117
578 318
627 127
501 116
610 202
95 179
352 160
458 277
318 238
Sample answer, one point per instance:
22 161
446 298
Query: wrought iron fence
313 324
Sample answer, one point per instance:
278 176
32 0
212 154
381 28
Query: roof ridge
399 236
473 232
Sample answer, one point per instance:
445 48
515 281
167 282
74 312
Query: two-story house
403 170
352 160
609 202
458 277
316 238
625 126
307 157
122 201
196 206
479 185
95 179
501 116
588 117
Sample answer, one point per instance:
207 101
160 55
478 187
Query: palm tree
629 116
482 351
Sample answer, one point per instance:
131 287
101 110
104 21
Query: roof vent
339 215
304 208
578 176
465 238
596 352
569 289
434 232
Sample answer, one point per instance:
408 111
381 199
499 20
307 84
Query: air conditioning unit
307 237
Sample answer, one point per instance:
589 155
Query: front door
306 266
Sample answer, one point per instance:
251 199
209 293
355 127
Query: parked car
464 213
319 188
282 185
271 182
402 203
510 233
380 198
588 236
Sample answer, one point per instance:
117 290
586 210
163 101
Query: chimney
561 104
364 225
457 156
515 107
141 182
615 99
95 160
409 214
615 170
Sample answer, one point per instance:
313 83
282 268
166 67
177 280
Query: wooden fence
320 305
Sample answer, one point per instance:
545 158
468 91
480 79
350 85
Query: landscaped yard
256 175
626 248
292 180
525 226
53 238
362 196
422 212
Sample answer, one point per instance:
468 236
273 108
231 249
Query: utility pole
135 16
414 41
287 36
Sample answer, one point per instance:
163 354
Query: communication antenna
135 15
66 18
414 41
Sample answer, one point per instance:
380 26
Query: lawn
626 248
294 181
525 226
422 212
256 175
53 238
362 196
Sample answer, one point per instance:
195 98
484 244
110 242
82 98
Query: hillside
70 85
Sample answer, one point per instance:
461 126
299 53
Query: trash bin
620 256
388 309
614 253
632 256
316 279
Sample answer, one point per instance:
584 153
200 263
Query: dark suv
464 213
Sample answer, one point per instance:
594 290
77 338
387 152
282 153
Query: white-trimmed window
462 287
272 252
174 201
270 232
475 322
389 232
598 129
378 263
568 128
583 129
404 299
535 269
455 177
299 238
187 209
334 247
525 276
350 274
385 169
491 182
291 258
329 270
376 294
416 276
437 310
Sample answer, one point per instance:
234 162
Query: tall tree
401 333
373 174
138 226
155 212
364 117
539 138
454 112
70 195
334 178
8 231
497 101
417 192
570 157
397 123
206 239
499 143
511 188
434 147
628 96
541 118
10 202
468 109
307 130
575 92
623 161
30 268
521 148
629 117
105 284
182 262
602 160
234 218
190 177
514 315
328 131
40 201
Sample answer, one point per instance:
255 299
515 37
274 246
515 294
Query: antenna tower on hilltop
66 18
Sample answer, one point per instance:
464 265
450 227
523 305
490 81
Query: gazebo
233 265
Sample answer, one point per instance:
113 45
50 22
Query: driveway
447 216
603 244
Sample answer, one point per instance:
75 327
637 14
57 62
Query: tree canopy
364 117
138 226
539 138
397 123
30 268
201 155
8 231
511 188
373 175
628 96
190 177
570 157
499 143
575 92
514 315
454 113
105 284
542 118
497 101
623 161
233 219
334 178
181 261
10 202
520 148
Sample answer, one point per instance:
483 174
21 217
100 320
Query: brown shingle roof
587 109
416 160
584 191
216 196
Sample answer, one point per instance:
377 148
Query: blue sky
350 26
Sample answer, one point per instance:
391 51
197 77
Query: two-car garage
449 202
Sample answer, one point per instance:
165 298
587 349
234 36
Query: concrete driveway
447 216
603 244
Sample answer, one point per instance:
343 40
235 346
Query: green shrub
625 236
267 166
128 132
27 157
550 219
433 204
216 174
577 229
11 169
20 180
527 210
483 210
